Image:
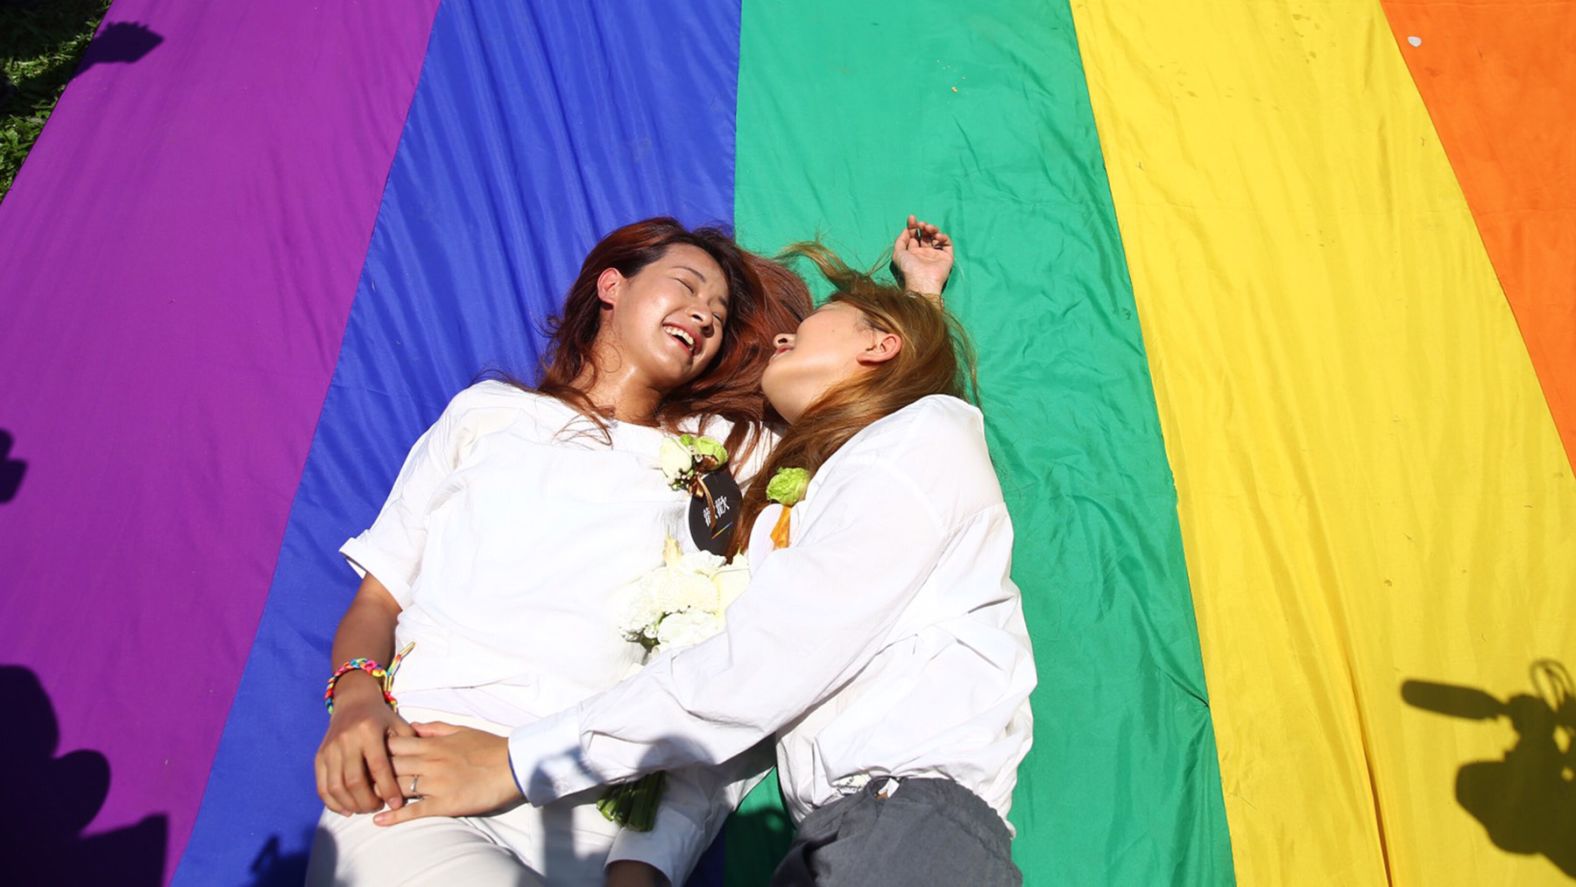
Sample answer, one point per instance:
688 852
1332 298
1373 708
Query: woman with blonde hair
881 640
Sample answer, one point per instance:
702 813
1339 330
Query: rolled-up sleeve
695 803
391 548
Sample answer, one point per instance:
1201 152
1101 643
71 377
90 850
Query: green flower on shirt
787 486
685 458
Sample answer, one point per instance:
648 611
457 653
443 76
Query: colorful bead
361 663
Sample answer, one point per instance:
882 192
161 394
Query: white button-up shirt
886 640
510 540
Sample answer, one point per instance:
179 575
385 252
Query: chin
774 394
768 381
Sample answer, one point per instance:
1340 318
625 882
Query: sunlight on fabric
1371 491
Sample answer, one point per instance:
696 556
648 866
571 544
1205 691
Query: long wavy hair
764 298
936 358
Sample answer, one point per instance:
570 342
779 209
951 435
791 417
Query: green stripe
976 115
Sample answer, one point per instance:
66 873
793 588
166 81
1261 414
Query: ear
609 285
885 347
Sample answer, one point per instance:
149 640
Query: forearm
353 770
795 637
367 630
926 282
630 873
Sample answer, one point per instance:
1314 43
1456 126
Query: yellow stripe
1371 487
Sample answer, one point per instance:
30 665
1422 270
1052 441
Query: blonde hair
935 358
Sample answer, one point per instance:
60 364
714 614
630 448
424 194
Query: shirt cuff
673 845
364 558
547 760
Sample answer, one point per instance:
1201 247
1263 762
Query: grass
41 42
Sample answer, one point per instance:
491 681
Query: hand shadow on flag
119 43
1527 799
51 800
50 31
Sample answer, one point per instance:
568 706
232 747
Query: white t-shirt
511 539
886 640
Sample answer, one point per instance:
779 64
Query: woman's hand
354 773
457 771
629 873
922 255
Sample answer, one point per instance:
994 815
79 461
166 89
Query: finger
383 781
321 771
913 222
406 813
401 727
343 803
405 766
407 747
902 241
358 782
435 728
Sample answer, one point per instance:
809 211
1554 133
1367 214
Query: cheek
713 347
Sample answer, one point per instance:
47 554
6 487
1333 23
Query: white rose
674 460
687 628
642 614
695 591
703 562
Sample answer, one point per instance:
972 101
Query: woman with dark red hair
515 521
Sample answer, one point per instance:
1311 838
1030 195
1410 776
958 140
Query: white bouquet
680 603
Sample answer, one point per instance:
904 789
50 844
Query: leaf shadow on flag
51 801
1526 800
11 470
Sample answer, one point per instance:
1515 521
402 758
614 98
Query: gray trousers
927 831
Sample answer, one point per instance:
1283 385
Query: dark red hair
764 298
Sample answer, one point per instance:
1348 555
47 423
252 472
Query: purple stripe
177 261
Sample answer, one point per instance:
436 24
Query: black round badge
714 515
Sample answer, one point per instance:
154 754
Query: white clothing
511 539
565 842
886 640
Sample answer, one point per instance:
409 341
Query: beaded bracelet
371 667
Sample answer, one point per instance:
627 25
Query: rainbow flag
1276 309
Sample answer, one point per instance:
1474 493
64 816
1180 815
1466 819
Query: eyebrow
692 271
723 298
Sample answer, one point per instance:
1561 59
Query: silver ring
413 780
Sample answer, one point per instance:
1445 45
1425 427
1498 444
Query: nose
702 318
783 340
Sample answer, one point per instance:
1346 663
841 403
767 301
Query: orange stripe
1498 79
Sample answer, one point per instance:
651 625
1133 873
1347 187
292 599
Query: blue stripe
536 128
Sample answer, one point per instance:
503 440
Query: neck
618 389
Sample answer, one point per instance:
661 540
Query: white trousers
565 843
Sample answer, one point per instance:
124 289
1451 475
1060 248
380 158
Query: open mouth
683 337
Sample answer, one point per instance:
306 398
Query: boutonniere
693 462
685 458
786 488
